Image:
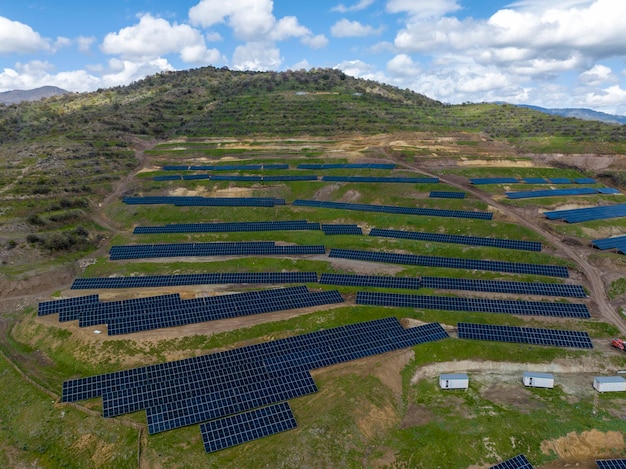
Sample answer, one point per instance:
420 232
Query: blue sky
559 53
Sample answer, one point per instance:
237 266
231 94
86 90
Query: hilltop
17 96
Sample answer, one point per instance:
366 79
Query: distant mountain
580 113
17 96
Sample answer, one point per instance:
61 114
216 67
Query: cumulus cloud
16 37
423 8
250 20
347 28
315 42
84 43
261 56
153 37
402 65
361 5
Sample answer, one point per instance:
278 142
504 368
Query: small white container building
454 381
609 383
538 380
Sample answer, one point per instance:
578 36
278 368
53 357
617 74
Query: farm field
382 410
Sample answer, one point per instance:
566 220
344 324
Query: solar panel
348 166
429 212
457 239
145 251
551 193
616 242
585 181
228 227
535 181
560 180
450 262
146 281
518 462
248 426
342 230
478 181
611 463
380 179
220 403
446 195
525 335
609 191
588 214
370 281
497 286
69 305
194 201
173 177
479 305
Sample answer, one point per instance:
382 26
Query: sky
550 53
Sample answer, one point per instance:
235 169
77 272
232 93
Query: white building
454 381
538 380
609 383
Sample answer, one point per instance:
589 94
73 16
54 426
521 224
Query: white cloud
360 69
16 37
607 98
402 65
213 37
423 8
347 28
261 56
286 28
315 42
361 5
251 20
302 65
153 37
85 43
123 72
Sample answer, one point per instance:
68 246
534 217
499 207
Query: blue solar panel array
560 180
348 166
257 248
552 193
401 180
247 426
428 212
535 181
611 463
69 305
172 177
480 181
609 191
525 335
194 201
342 230
141 314
518 462
617 242
585 181
229 227
185 392
476 305
451 262
147 281
496 286
194 177
457 239
224 167
446 195
579 215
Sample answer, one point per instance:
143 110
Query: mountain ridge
35 94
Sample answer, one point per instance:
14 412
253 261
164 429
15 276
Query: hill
196 221
580 113
17 96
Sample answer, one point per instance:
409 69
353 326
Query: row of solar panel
616 242
192 201
248 227
559 192
476 305
510 180
194 390
457 239
141 314
525 335
611 463
451 262
144 281
439 283
191 177
446 195
429 212
224 167
401 180
145 251
348 166
579 215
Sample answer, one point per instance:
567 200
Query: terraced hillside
339 264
